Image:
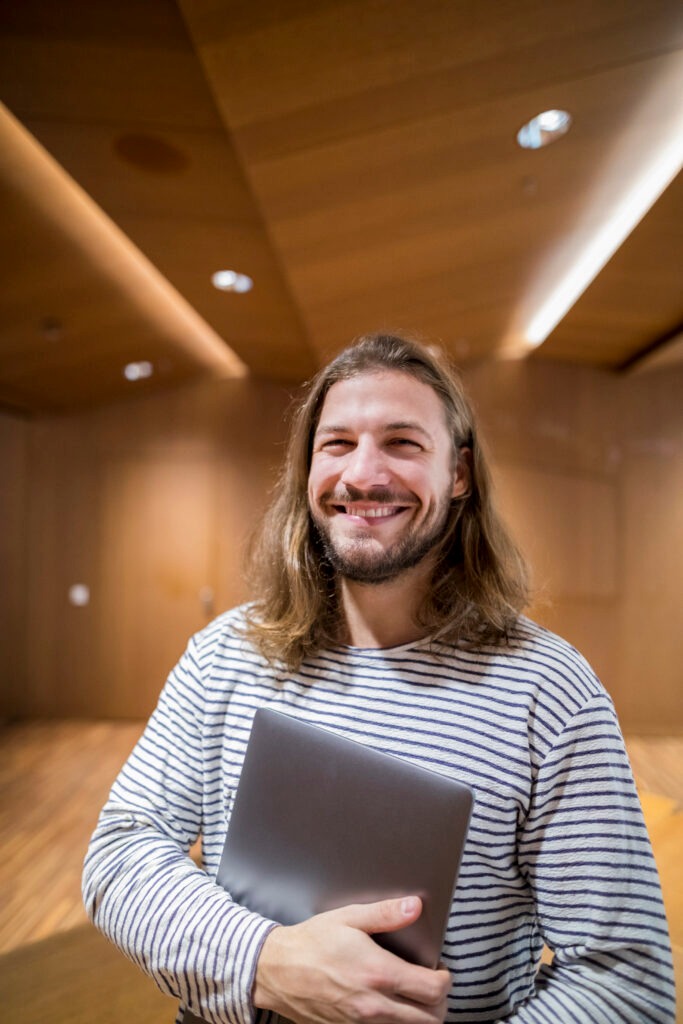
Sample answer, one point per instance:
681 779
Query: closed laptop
321 821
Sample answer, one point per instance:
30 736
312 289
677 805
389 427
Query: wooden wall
590 473
149 503
14 477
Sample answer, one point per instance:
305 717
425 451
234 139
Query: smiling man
387 605
380 486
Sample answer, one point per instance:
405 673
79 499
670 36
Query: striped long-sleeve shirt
557 850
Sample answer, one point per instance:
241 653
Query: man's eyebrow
409 425
333 428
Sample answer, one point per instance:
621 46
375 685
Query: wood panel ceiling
357 159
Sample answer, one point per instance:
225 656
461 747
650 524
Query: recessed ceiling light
544 129
138 371
79 595
231 281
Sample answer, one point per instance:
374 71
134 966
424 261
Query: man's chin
373 567
368 576
361 570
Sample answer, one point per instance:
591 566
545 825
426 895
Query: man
387 606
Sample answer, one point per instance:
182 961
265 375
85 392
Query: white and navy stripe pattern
557 850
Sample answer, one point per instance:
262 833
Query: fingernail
409 905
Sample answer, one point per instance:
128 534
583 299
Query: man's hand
328 970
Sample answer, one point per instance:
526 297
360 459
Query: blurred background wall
149 504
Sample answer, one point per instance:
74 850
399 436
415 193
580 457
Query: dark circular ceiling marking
151 153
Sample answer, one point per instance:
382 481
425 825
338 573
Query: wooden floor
54 778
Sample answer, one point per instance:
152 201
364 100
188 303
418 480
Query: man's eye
336 444
405 442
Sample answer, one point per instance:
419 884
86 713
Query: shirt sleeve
143 891
585 853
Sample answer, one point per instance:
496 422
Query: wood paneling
380 143
590 475
636 300
650 613
150 502
108 305
137 74
571 537
147 504
651 548
356 158
14 470
556 425
157 529
344 60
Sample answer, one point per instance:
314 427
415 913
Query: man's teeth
371 513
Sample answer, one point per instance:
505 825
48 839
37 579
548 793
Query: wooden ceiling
356 159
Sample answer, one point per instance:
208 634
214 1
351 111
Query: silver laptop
320 821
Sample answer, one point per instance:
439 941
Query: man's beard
361 562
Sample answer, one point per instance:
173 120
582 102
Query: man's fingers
424 986
378 1008
419 986
384 916
327 970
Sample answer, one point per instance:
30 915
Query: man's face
381 478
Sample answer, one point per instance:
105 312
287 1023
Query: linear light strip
627 214
46 185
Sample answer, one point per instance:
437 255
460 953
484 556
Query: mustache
381 495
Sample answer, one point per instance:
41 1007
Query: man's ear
463 474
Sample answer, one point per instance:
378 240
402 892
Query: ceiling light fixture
543 129
39 180
138 371
628 212
231 281
79 595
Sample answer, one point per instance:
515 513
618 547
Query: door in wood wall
156 573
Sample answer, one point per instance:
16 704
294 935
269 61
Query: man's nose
366 467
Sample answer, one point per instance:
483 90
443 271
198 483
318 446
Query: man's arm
328 970
142 890
585 852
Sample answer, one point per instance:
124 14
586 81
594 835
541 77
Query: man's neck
383 614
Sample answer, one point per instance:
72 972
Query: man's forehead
399 398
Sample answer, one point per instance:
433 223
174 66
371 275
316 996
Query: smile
377 512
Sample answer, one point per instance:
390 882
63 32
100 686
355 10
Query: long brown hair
479 584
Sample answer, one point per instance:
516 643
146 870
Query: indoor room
204 203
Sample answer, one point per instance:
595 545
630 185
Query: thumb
383 916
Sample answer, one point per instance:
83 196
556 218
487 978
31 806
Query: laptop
321 821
